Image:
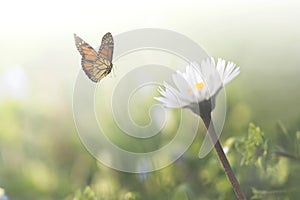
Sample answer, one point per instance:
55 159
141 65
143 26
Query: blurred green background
41 156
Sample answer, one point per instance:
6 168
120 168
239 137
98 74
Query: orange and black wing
107 47
89 56
102 67
96 65
103 64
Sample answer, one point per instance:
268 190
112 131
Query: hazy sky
262 36
34 17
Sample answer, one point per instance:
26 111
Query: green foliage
42 158
87 194
131 196
254 147
264 194
183 192
274 168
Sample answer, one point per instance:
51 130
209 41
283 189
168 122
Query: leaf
183 192
131 196
88 194
272 194
253 148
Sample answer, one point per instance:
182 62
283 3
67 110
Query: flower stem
219 149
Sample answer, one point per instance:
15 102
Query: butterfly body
96 65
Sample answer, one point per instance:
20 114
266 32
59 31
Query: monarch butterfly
96 65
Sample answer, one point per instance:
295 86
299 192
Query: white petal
220 67
214 75
175 96
167 103
232 72
182 85
191 75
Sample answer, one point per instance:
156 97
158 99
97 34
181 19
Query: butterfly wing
103 63
89 56
107 47
102 67
96 65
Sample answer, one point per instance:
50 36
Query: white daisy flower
197 89
199 83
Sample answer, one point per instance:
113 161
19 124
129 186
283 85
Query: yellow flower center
198 86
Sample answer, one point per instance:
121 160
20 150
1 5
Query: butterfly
96 65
